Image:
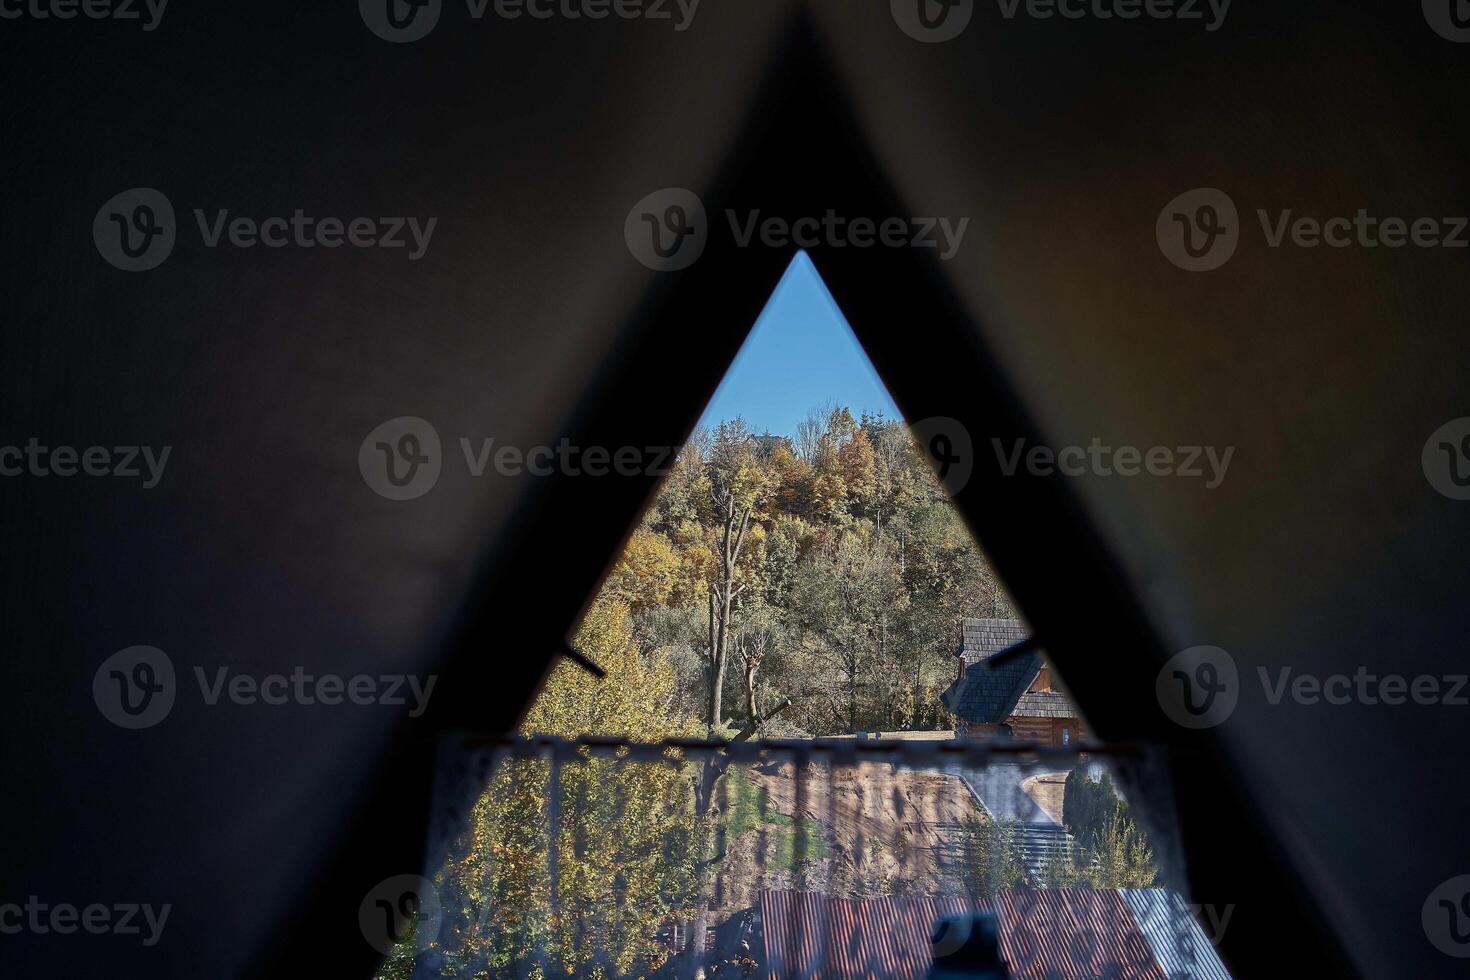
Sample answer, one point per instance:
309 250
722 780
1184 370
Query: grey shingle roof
989 695
1044 704
983 637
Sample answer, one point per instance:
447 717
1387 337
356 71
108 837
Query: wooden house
1010 696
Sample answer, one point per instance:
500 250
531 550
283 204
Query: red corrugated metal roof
1072 933
877 937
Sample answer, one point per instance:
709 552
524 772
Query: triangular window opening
802 572
803 596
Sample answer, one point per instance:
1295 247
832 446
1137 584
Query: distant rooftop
1044 704
986 694
983 637
1145 934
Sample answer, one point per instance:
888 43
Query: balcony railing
827 858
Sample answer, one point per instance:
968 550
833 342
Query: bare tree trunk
714 679
722 603
712 654
752 654
752 665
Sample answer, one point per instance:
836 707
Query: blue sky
801 354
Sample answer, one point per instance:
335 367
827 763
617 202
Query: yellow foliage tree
646 574
624 836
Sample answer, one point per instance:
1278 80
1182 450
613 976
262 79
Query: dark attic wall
262 550
1325 550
